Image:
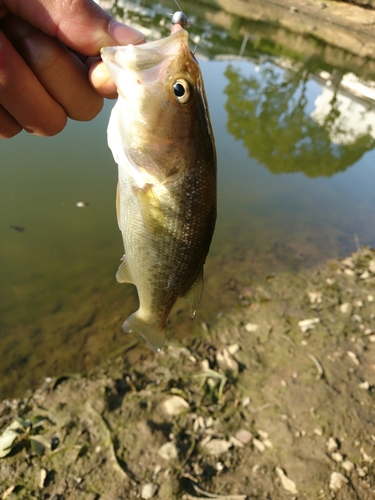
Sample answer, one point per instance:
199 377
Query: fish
161 137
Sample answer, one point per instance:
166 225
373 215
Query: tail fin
153 336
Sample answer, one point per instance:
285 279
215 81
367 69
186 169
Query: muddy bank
277 398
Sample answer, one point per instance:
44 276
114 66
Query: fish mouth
145 56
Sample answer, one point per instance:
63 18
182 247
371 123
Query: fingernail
123 34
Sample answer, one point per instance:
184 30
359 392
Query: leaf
8 437
38 445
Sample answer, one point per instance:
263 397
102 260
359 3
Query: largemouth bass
161 138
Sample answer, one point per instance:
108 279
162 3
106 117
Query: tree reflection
268 113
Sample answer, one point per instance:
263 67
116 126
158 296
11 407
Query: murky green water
296 186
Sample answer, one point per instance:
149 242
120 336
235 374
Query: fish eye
182 91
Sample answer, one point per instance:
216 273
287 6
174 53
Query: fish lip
138 56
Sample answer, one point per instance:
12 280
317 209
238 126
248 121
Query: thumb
80 24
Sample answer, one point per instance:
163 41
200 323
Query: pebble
345 307
370 298
216 447
148 490
348 262
332 444
315 297
308 324
168 451
246 401
349 272
371 266
244 436
251 327
337 481
348 465
226 361
353 357
259 445
287 484
175 405
364 385
337 457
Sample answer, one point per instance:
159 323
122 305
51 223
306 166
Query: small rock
366 457
175 405
349 272
244 436
251 327
216 447
332 444
337 457
357 318
348 465
361 472
345 307
287 484
168 451
42 477
246 401
353 357
148 490
371 266
337 481
259 445
236 442
371 338
364 385
348 262
370 298
233 349
365 275
308 324
330 281
315 297
226 361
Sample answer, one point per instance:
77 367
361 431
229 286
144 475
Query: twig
318 366
263 407
216 496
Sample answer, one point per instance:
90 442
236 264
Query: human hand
46 50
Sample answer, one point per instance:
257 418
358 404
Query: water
296 174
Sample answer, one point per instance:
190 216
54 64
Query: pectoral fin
193 296
124 274
152 211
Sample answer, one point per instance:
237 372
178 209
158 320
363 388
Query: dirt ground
275 401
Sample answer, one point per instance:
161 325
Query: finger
9 127
60 72
80 24
102 81
22 95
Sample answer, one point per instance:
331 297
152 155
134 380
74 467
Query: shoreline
276 398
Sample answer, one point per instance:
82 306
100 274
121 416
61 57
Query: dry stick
218 497
318 366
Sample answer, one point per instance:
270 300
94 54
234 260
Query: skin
50 68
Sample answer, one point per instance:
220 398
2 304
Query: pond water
295 186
